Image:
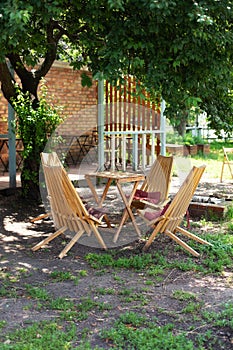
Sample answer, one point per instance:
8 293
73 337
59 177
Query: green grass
223 318
182 296
214 259
136 262
40 336
37 292
133 331
213 160
2 324
60 276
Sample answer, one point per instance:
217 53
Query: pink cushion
97 213
152 197
152 215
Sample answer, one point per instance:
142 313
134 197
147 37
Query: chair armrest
159 205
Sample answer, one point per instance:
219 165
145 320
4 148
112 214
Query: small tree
33 126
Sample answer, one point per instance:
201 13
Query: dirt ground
20 267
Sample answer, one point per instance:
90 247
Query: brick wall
3 114
65 89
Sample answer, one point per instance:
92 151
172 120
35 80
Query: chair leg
183 244
221 176
107 220
42 216
152 236
71 243
191 235
49 238
98 236
229 166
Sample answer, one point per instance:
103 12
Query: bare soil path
107 291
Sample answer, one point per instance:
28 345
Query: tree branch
28 80
7 82
54 34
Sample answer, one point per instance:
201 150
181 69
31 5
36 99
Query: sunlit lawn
213 161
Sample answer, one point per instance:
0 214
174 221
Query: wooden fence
126 110
132 124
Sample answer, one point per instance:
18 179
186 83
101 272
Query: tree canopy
180 50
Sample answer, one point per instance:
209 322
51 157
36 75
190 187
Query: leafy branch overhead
182 50
177 48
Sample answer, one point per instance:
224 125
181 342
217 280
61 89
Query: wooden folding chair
155 189
168 220
227 161
67 208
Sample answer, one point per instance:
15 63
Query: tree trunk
30 189
180 125
29 175
181 128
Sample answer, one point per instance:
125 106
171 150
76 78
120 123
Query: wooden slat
170 222
67 208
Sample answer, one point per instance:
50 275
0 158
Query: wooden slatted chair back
180 203
67 208
64 212
169 221
159 177
227 153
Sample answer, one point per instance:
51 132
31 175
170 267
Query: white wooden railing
115 146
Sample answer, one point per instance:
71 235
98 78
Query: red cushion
152 215
97 213
153 197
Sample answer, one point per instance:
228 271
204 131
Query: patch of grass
7 277
182 296
7 291
229 212
213 160
40 336
137 262
83 273
105 291
69 315
61 303
132 318
230 227
125 291
86 304
119 279
156 270
132 331
60 276
220 256
149 282
223 318
129 295
214 259
192 307
2 324
37 292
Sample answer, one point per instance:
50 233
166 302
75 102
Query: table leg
127 212
92 188
95 195
105 192
98 200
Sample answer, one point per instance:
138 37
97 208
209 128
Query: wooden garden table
119 178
